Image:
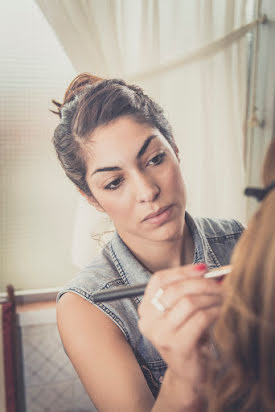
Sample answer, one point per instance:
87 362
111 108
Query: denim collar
203 251
133 272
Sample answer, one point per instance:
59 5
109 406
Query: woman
243 377
116 145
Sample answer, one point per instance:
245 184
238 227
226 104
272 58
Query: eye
156 160
114 184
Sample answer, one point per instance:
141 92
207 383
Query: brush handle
216 273
119 293
123 292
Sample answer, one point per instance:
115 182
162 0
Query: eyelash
160 157
109 185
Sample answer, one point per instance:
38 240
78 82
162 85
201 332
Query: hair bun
75 88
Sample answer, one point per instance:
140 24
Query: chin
167 232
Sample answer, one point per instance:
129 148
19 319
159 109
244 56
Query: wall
37 200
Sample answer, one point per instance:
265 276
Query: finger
164 331
163 299
164 277
177 290
186 308
192 331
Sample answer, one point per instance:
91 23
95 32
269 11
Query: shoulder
72 307
219 228
99 274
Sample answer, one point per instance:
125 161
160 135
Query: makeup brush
137 290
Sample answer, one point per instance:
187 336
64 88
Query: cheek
116 206
173 180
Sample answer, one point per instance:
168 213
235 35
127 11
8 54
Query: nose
146 189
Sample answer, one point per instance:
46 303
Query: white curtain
184 54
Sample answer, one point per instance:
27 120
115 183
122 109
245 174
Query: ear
92 200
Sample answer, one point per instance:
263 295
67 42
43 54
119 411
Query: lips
157 213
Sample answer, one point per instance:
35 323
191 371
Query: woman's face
133 172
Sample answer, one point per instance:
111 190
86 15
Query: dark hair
90 102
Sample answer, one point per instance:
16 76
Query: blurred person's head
245 331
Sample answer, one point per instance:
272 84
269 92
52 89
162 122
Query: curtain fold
204 100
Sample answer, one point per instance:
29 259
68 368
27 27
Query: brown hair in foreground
245 331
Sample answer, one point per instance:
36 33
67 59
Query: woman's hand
178 308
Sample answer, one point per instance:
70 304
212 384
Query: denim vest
214 240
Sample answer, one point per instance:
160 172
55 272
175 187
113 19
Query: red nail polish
200 267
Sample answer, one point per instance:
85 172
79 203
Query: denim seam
122 273
118 266
221 238
214 257
116 320
156 364
115 282
89 298
153 379
241 227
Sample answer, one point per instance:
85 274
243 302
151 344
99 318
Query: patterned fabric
214 241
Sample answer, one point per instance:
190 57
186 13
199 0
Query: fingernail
200 267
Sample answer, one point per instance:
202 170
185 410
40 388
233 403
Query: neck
166 254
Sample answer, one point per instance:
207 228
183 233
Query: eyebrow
140 153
